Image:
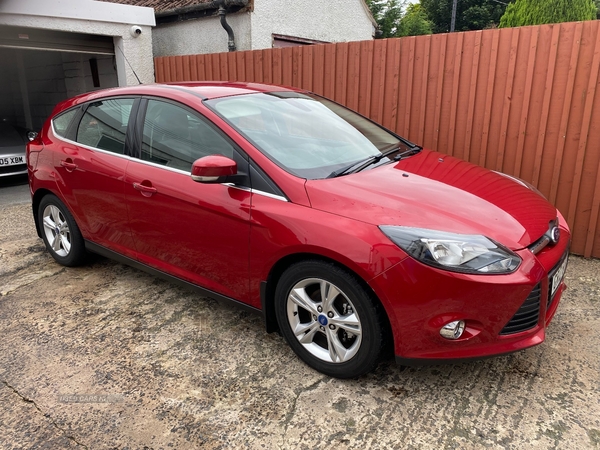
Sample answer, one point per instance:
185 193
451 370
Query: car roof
203 89
211 89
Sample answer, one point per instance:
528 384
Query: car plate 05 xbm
12 160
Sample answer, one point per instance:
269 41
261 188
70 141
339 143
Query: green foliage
470 14
537 12
414 22
392 21
387 13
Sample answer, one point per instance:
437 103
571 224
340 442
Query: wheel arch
267 289
35 205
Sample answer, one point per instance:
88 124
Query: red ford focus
349 239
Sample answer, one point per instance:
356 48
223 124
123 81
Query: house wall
330 21
199 36
323 20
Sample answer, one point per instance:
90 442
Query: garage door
36 39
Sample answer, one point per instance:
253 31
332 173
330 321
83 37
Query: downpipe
227 27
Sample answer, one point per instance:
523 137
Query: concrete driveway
14 190
105 356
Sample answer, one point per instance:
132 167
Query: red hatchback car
348 238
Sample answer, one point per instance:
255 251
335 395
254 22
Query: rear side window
104 124
61 123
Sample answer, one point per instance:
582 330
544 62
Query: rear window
61 123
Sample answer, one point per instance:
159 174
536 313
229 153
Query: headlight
457 252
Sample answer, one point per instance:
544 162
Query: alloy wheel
324 320
57 230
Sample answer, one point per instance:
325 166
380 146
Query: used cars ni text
350 240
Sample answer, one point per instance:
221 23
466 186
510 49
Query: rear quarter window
61 122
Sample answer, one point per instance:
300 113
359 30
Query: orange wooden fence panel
523 101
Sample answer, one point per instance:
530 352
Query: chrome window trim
257 192
160 166
88 147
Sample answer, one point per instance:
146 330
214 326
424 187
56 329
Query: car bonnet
435 191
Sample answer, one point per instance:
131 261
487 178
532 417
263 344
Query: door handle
69 165
144 189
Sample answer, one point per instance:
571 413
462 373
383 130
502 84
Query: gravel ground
105 356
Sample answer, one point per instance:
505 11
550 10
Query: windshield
306 135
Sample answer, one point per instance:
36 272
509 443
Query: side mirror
213 169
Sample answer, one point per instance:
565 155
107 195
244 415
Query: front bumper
420 299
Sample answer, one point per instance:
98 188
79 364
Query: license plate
557 277
12 160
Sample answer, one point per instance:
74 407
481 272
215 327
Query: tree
537 12
414 22
470 14
387 14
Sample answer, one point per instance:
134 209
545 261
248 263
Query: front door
197 232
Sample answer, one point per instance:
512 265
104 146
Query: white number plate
12 160
557 277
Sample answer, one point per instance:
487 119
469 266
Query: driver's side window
175 137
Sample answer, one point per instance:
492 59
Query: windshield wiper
410 152
374 159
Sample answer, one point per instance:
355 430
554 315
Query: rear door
90 162
197 232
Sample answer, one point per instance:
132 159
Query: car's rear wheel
329 319
60 232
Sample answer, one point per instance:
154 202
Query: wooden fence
520 100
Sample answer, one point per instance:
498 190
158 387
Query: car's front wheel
60 232
329 319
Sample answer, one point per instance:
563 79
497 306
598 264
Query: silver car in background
12 149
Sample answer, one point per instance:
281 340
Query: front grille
528 314
546 239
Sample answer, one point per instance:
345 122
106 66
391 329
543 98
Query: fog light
453 330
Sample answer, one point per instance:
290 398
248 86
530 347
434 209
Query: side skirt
103 251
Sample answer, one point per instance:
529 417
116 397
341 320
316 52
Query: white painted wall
204 35
323 20
92 17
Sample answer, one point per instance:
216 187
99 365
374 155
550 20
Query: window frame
138 132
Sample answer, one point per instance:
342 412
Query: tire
60 232
340 335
